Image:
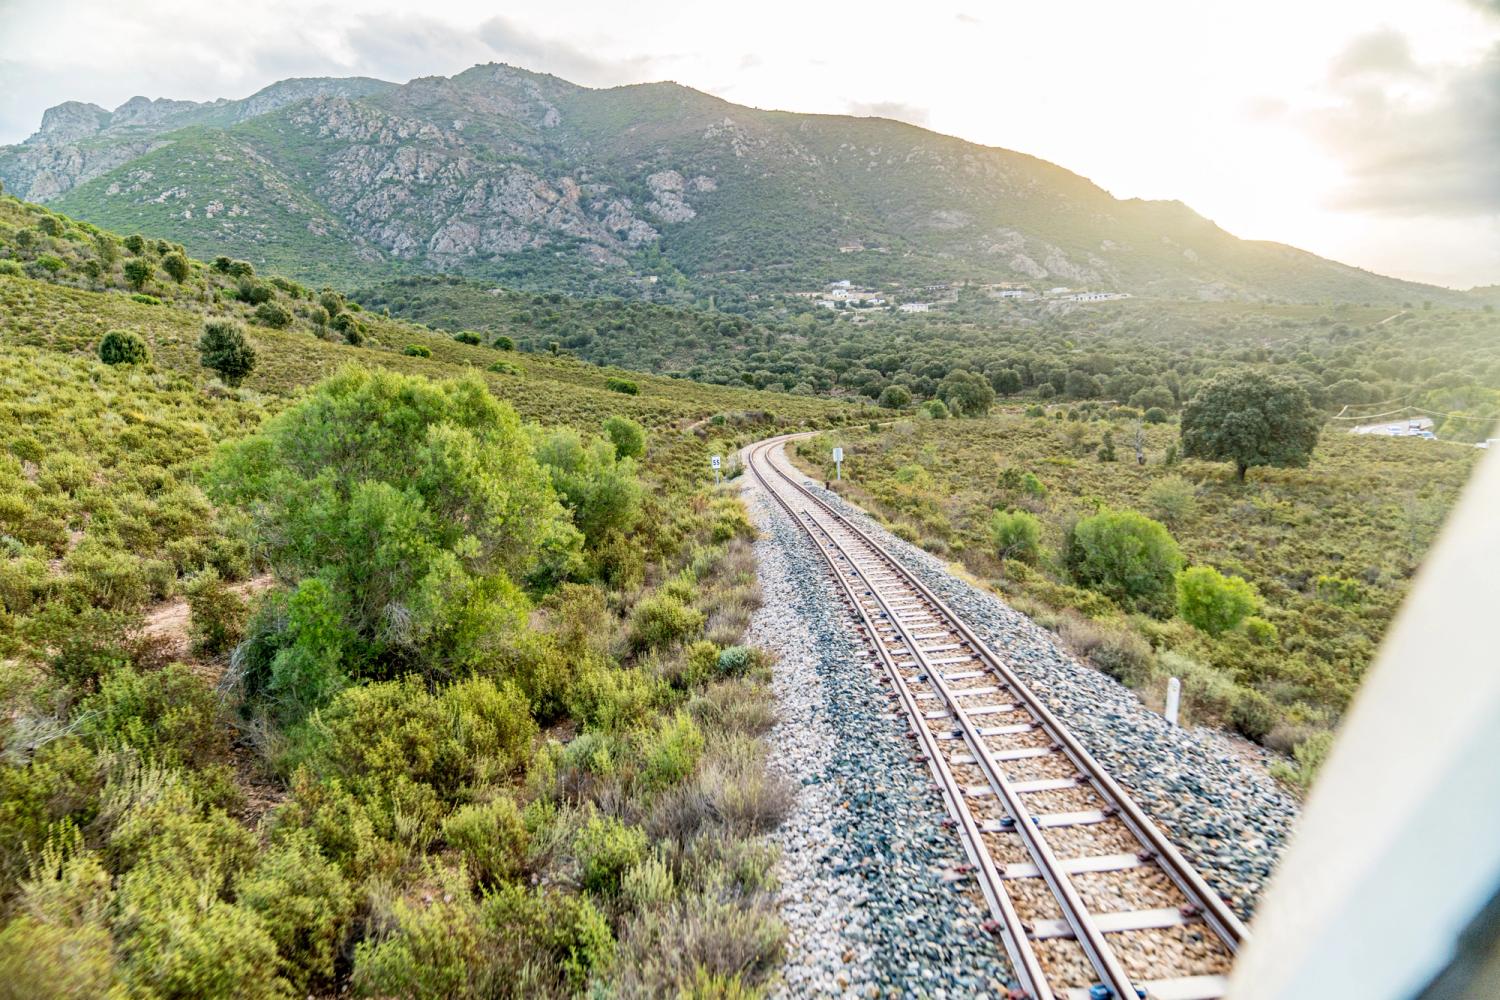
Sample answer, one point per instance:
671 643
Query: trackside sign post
715 462
838 463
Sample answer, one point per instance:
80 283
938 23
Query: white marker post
714 462
838 463
1174 699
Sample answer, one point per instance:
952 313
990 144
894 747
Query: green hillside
486 725
502 174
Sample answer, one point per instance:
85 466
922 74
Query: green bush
629 437
624 385
1126 657
416 351
1215 603
935 409
735 660
1309 755
492 837
562 941
122 347
380 736
1015 535
673 752
254 292
1261 632
306 907
467 337
505 343
274 315
177 267
11 269
224 349
1172 498
169 715
218 614
503 368
662 620
1253 714
145 300
47 961
606 849
1126 556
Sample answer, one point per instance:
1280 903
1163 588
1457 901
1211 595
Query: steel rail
1011 929
1206 903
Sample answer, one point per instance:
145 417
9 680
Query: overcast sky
1363 130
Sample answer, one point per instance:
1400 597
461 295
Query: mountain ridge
654 190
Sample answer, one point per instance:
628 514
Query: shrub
674 751
439 949
1172 499
417 351
11 269
169 715
1015 535
560 940
1156 415
1261 632
493 838
735 660
254 292
1126 556
305 905
1340 590
661 620
629 437
274 315
624 385
177 267
218 614
145 300
505 343
467 337
699 946
1124 656
1310 755
1253 714
606 849
935 409
122 347
46 961
503 368
224 349
1208 600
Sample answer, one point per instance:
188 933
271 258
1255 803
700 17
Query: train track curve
1088 896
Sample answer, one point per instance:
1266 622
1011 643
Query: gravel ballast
868 885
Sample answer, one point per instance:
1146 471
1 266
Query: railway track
1087 895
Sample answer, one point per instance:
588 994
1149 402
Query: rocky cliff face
530 179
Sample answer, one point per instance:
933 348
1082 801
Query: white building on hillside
914 307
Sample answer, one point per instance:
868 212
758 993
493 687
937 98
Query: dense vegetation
1267 597
1145 354
383 671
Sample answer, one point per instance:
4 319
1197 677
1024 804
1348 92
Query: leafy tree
135 243
967 394
1015 535
1156 415
628 436
254 292
1081 385
139 272
416 502
1213 602
223 348
177 267
122 347
1251 418
1126 556
893 397
1007 381
1158 396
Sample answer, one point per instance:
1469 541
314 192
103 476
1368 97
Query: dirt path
170 620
